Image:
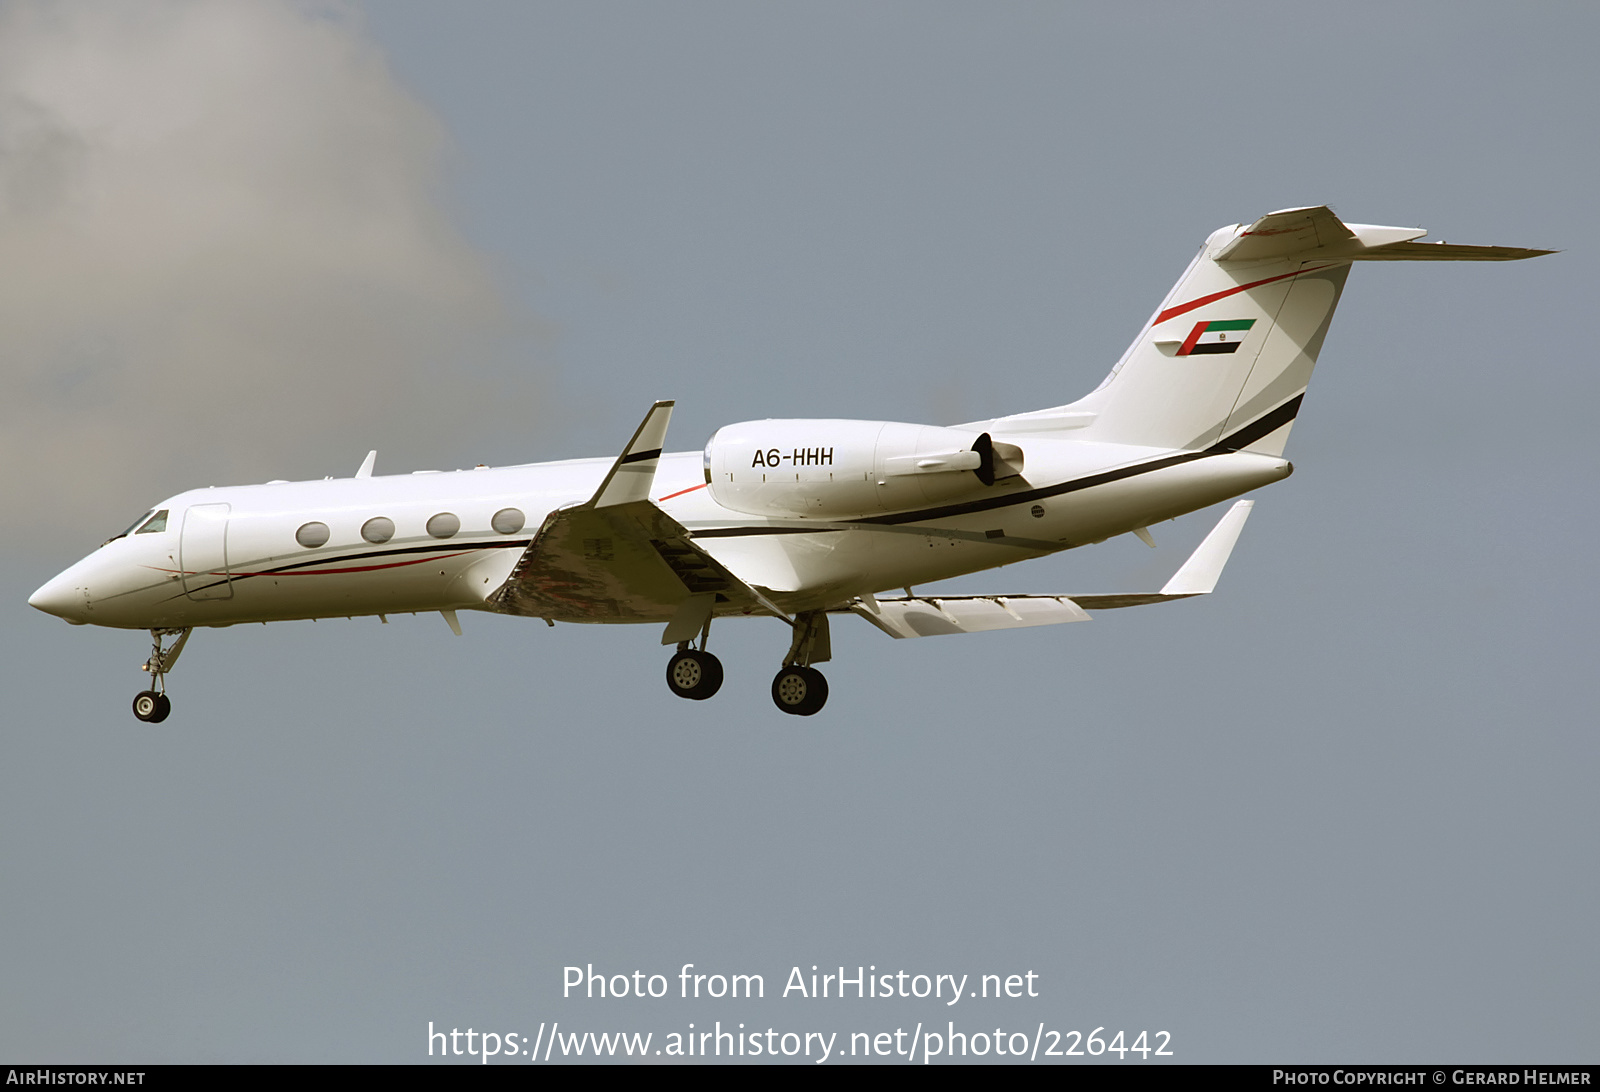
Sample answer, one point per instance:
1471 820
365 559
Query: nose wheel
694 674
152 706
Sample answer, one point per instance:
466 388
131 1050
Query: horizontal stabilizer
1316 233
1446 252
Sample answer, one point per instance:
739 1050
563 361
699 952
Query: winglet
366 465
1199 574
634 471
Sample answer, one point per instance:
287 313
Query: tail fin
1225 359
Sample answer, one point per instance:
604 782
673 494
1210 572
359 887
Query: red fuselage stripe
356 568
681 492
318 572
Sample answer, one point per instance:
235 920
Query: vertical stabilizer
1225 360
1228 353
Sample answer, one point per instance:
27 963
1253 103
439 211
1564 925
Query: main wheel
799 690
694 675
151 707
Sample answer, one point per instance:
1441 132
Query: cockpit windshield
149 523
132 526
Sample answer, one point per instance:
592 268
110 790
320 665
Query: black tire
150 707
799 691
694 675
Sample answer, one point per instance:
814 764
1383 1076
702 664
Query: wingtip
1199 574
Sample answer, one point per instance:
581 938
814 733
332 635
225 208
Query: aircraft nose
61 597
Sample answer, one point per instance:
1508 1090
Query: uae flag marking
1217 336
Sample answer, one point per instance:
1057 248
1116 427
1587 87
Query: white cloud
223 257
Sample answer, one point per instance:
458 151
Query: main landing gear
152 706
798 689
694 674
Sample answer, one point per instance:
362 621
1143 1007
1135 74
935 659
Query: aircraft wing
619 558
928 616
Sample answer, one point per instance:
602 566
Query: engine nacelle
827 469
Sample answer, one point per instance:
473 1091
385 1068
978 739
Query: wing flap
929 616
933 616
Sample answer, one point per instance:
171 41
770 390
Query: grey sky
219 218
1341 810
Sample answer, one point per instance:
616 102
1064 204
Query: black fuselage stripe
1267 423
1262 426
1029 495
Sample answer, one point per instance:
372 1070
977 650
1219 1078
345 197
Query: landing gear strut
694 673
798 688
152 706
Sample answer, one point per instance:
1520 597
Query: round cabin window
444 525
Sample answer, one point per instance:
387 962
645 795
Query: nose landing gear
152 706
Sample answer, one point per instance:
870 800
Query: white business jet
788 519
